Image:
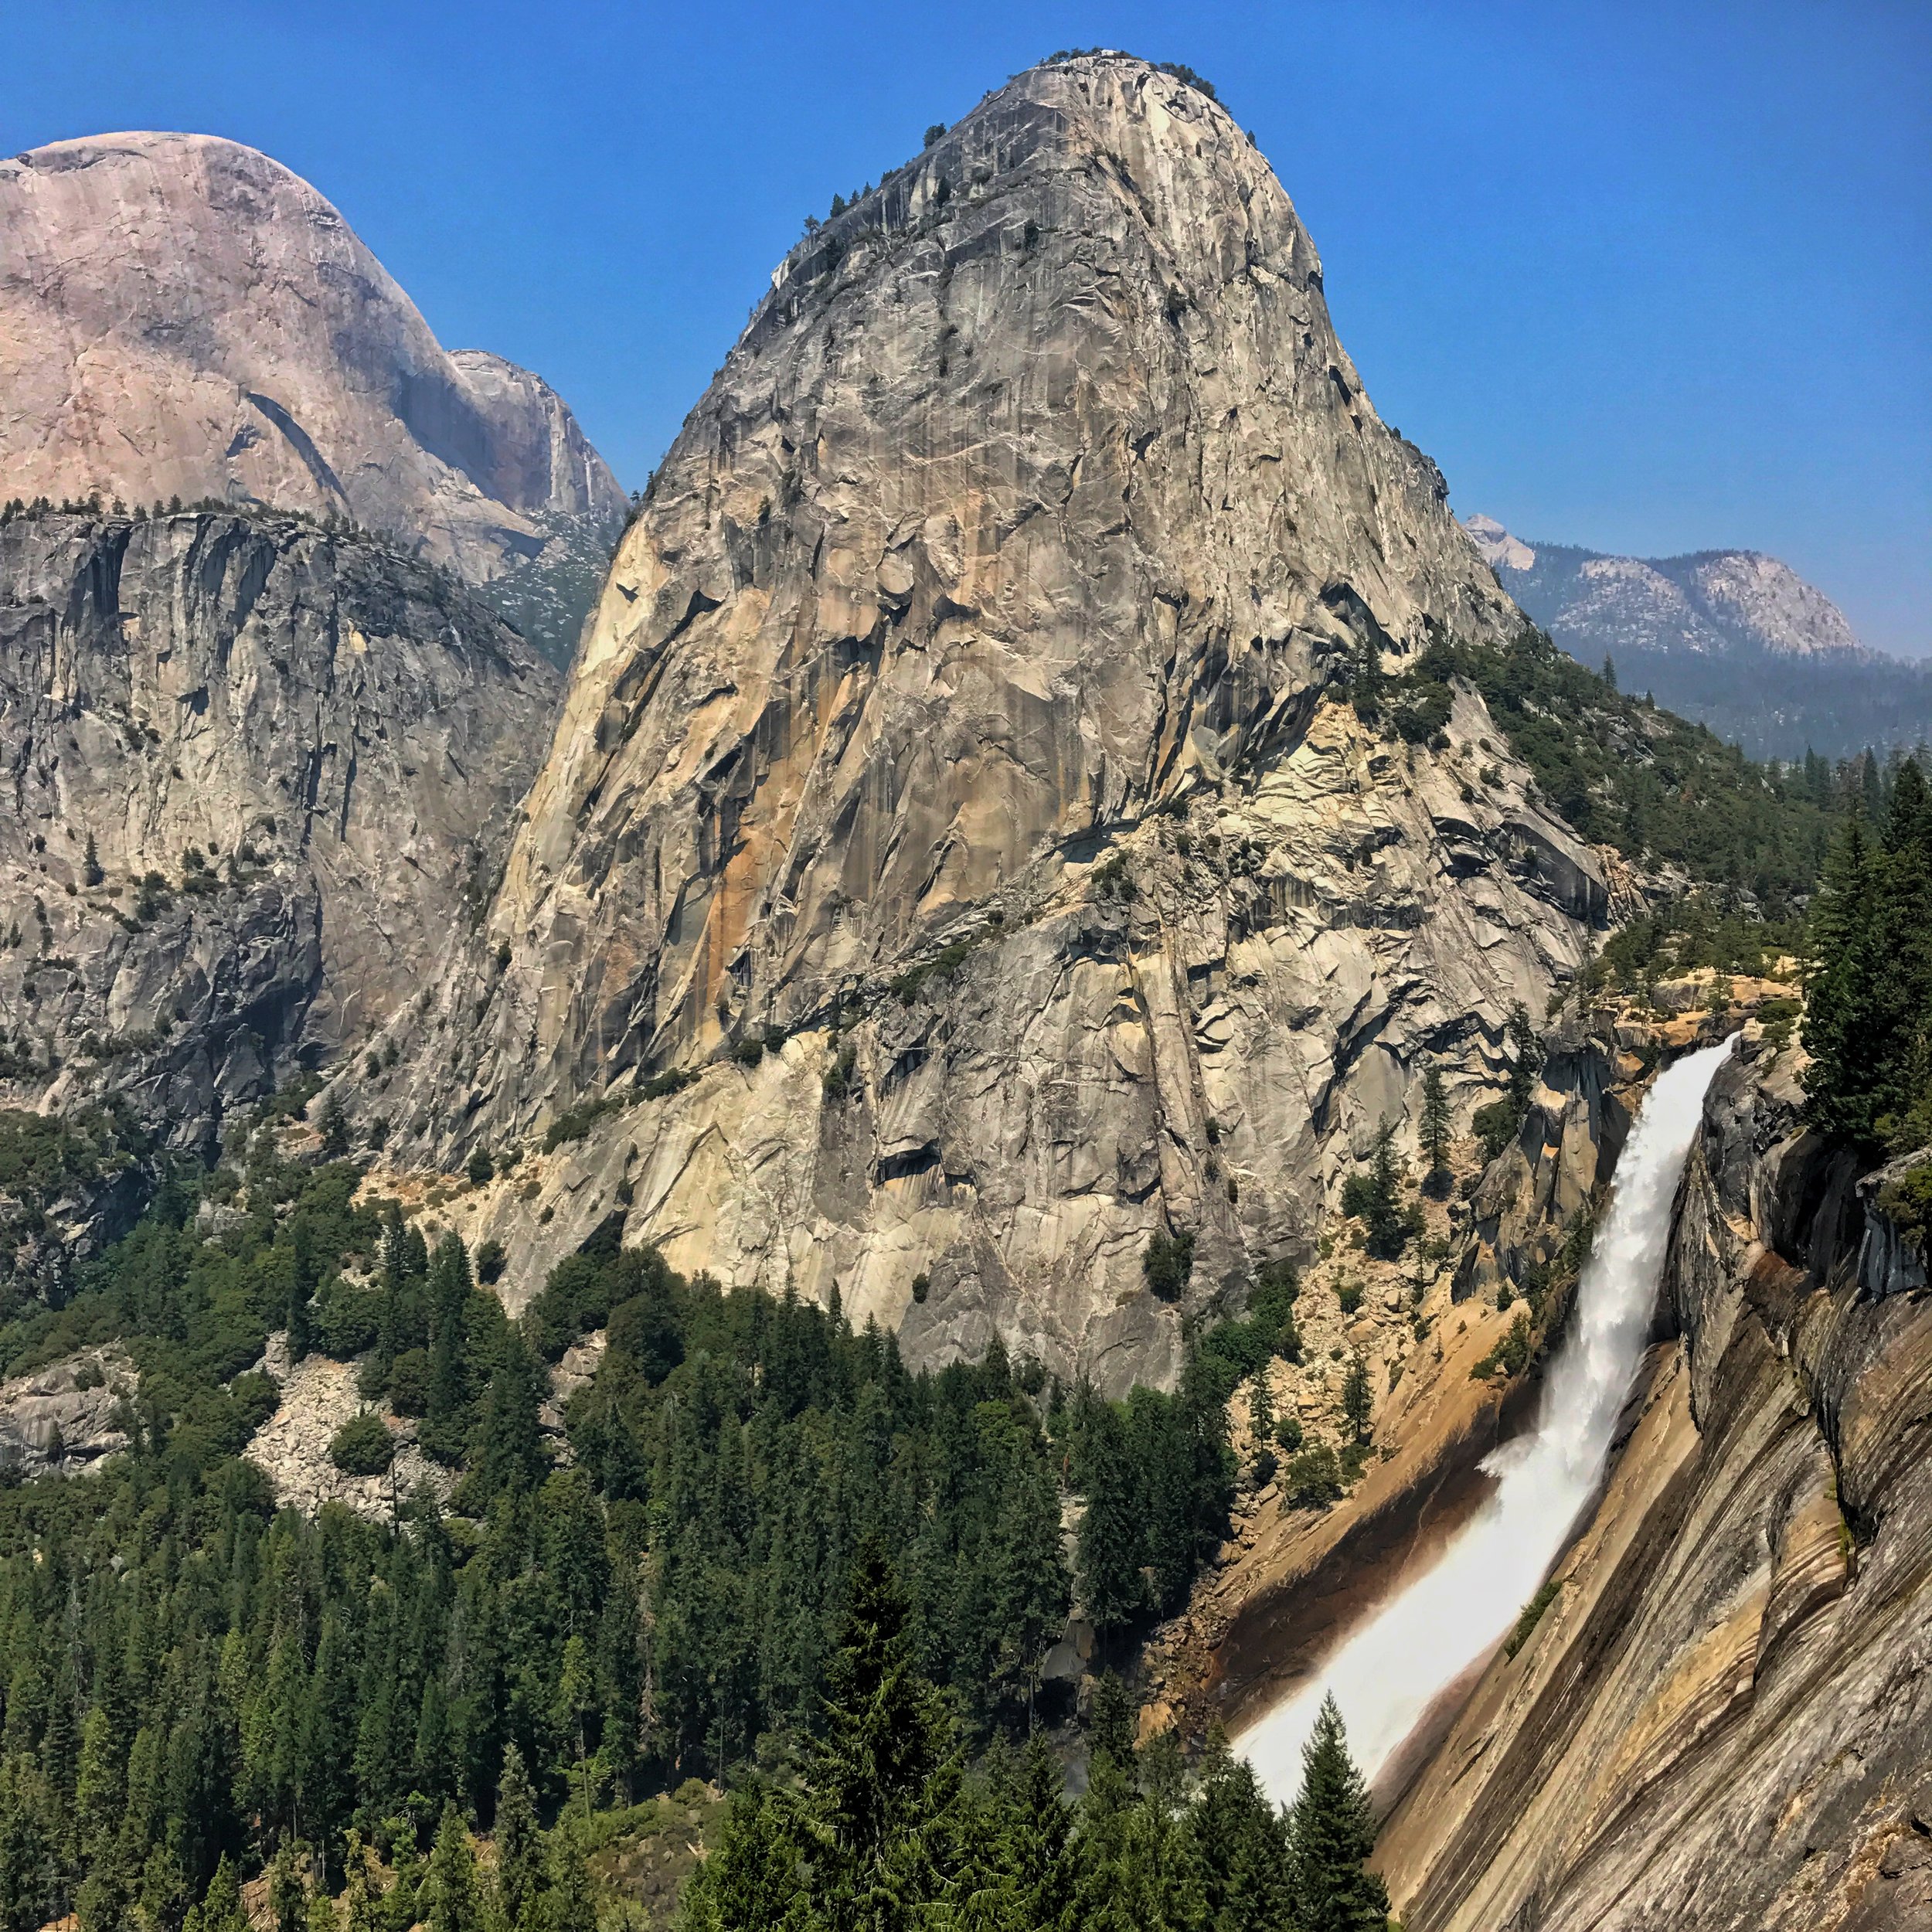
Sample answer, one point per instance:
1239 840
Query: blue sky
1646 277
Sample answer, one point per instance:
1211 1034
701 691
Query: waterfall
1385 1676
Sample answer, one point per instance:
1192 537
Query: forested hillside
1625 773
194 1676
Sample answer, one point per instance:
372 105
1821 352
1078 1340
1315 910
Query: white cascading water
1389 1672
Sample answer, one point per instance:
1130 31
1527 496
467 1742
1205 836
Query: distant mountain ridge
183 317
1735 639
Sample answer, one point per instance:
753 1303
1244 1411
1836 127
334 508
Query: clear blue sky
1649 277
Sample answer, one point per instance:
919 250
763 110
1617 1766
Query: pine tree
1138 1868
328 1743
1527 1067
1839 1033
1375 1198
1243 1846
1164 1452
507 1452
1113 1531
576 1701
882 1773
1261 1426
1333 1831
750 1880
1435 1128
1038 1830
1109 1724
220 1910
288 1898
1357 1399
445 1426
455 1905
519 1861
1901 998
433 1765
1026 1587
101 1786
361 1901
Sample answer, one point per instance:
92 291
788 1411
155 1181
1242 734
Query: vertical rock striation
256 775
1724 1717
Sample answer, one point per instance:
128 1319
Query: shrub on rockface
1313 1480
363 1445
1168 1262
1374 1197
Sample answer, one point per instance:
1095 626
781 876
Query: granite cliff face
1721 1718
183 317
257 773
956 709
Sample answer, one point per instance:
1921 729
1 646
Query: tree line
197 1682
1868 983
882 1825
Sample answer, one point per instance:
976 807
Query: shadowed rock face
181 316
1723 1718
338 734
985 603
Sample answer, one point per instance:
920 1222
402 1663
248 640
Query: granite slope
1724 1716
961 710
257 772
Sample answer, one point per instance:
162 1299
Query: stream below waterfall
1387 1672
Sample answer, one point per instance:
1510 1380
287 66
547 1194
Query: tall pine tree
1840 1030
883 1771
1436 1124
1333 1829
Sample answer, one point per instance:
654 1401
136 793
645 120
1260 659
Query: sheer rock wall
980 620
340 735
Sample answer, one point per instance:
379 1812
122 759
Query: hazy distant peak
181 315
1770 599
1496 546
1707 601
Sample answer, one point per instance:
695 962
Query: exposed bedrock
257 775
181 316
1724 1717
979 620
